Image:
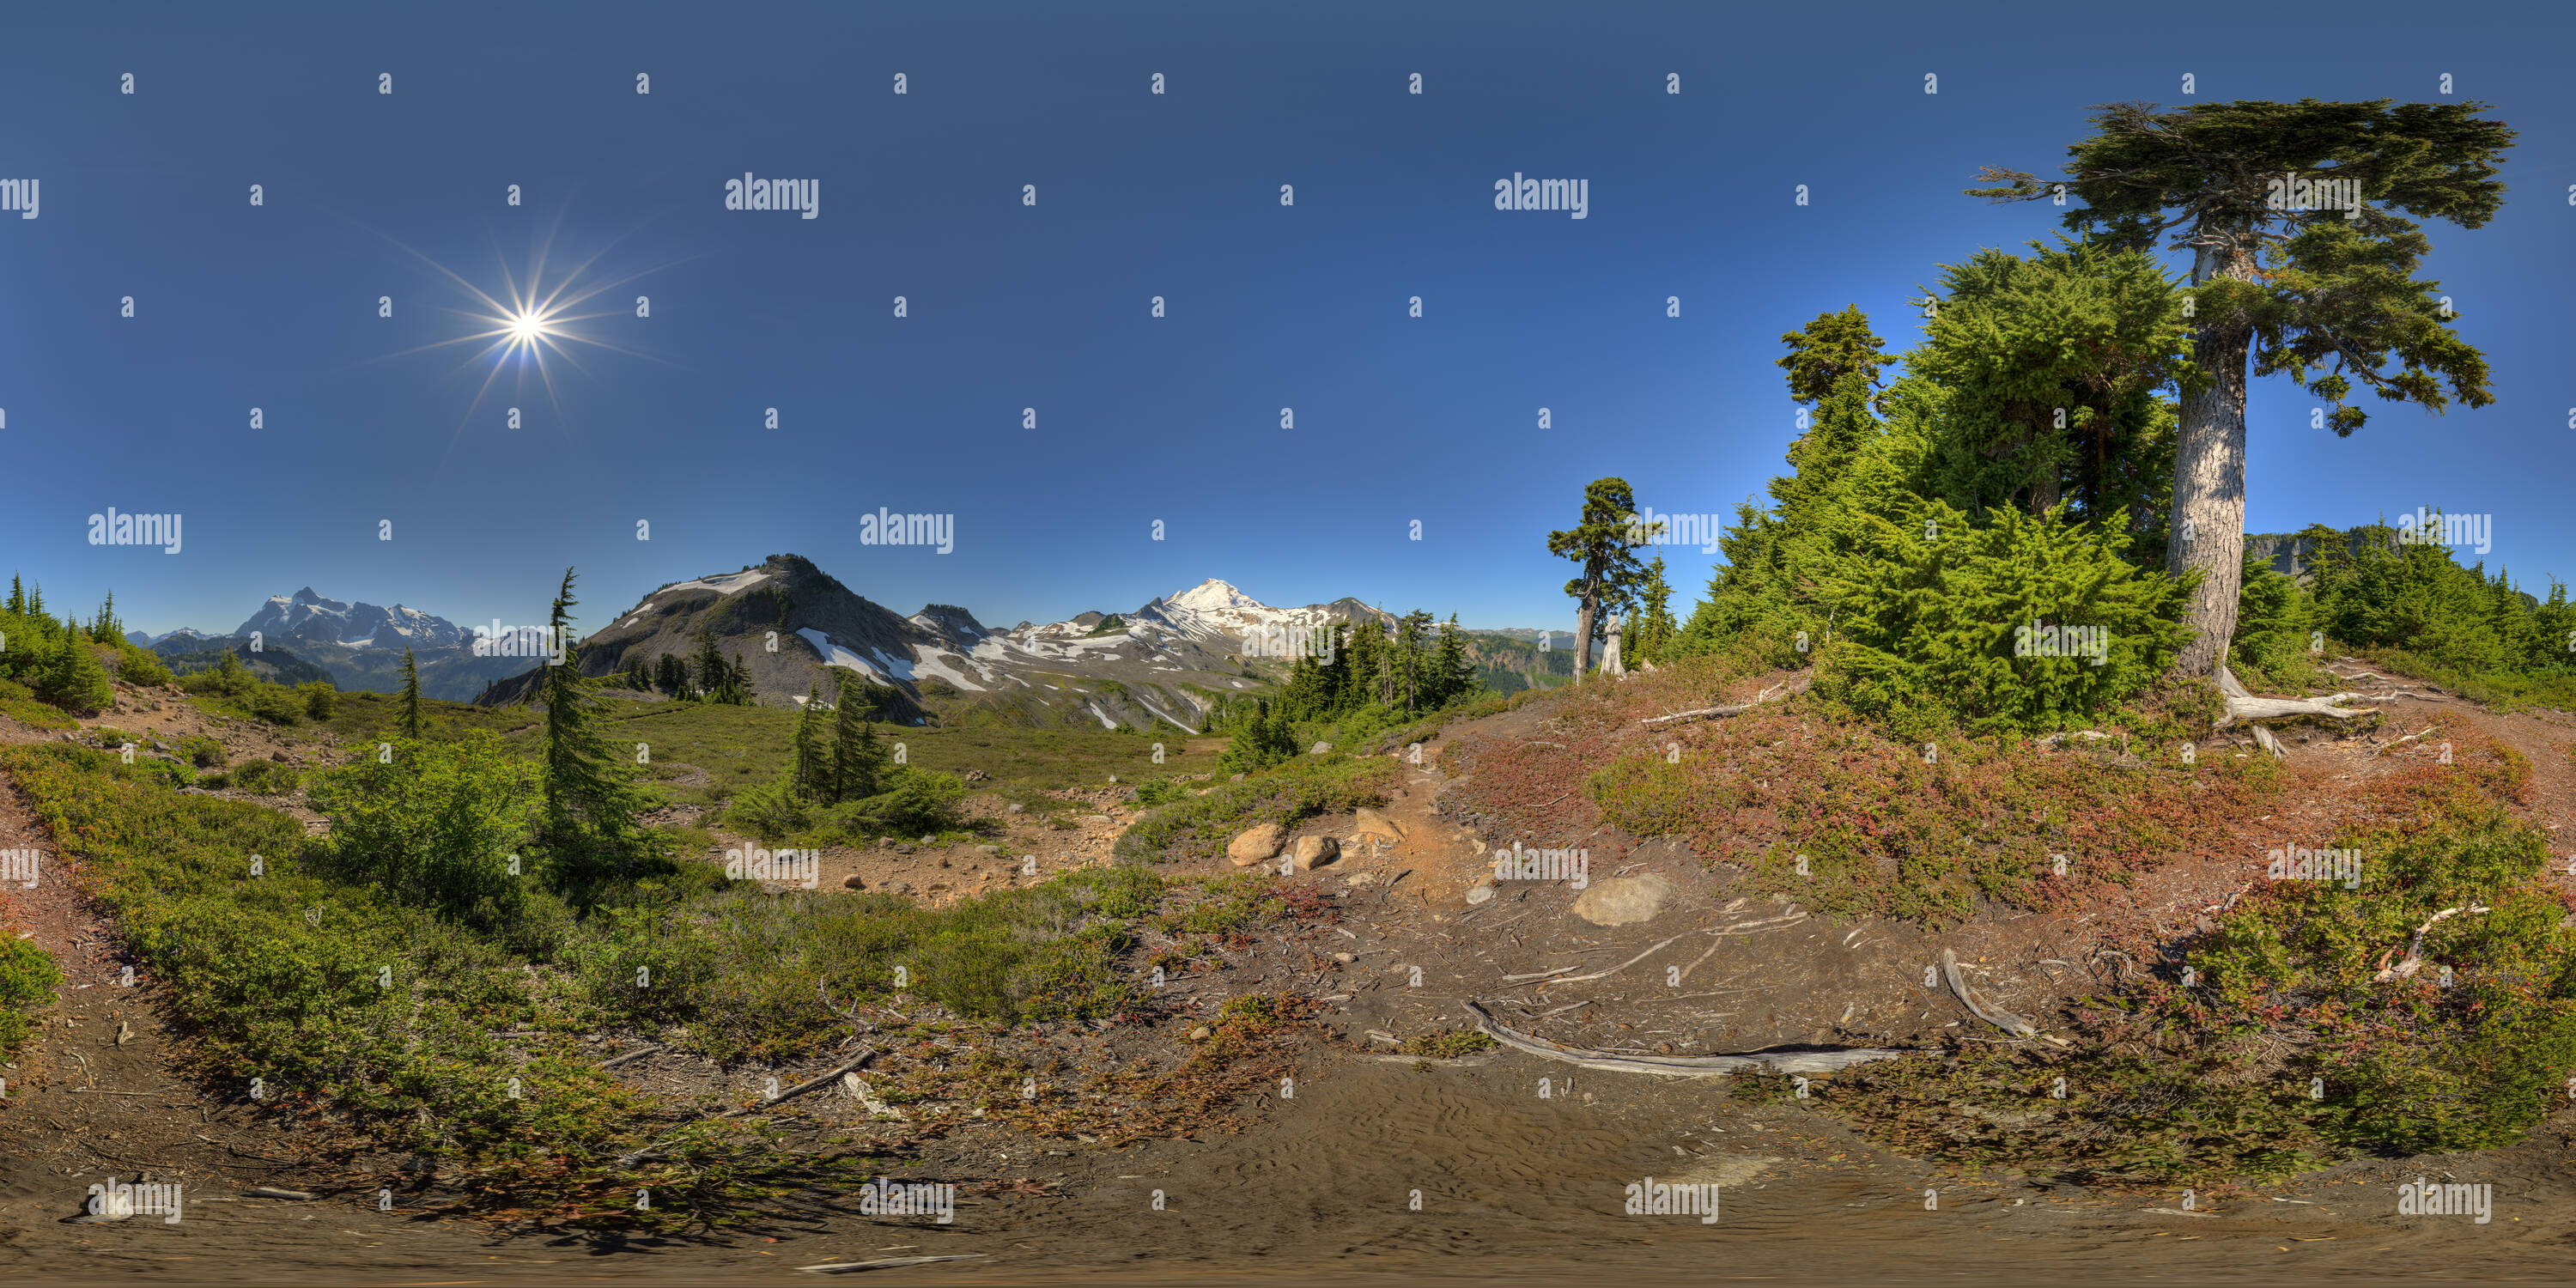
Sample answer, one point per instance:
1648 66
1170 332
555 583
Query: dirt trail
1512 1186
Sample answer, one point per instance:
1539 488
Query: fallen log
1686 1066
1775 693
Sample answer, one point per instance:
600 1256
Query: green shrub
443 825
321 698
140 666
266 777
27 980
202 751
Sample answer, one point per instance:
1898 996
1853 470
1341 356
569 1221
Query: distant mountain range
360 646
790 625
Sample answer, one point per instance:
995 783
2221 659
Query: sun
527 327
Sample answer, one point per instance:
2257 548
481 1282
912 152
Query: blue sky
1012 306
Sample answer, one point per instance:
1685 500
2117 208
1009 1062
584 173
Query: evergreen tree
1833 346
858 760
810 774
589 811
1453 673
2293 286
35 600
1650 635
17 595
410 693
106 629
76 682
1599 544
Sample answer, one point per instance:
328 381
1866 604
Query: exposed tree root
2000 1018
2246 709
1687 1066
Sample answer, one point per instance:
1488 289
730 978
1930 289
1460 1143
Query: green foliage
28 978
266 777
140 666
1286 794
1600 543
2053 365
76 682
1260 742
588 823
1941 619
321 698
201 751
911 802
438 826
410 696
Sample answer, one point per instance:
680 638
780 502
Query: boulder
1315 851
1373 823
1255 844
852 882
1481 892
1320 749
1624 901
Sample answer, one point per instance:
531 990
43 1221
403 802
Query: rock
990 849
1363 878
1231 778
1480 892
1624 901
852 882
1344 958
1017 808
1255 844
1315 851
1320 749
975 776
1373 823
1202 1033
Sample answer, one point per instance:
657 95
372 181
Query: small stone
852 882
1201 1034
1372 823
1344 958
1255 844
1315 851
1624 901
1320 749
1480 892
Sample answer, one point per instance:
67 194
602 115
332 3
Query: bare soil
1320 1178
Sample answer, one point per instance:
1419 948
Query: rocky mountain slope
790 624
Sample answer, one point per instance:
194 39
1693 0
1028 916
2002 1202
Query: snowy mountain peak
1213 595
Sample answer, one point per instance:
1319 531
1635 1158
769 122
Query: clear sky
1014 306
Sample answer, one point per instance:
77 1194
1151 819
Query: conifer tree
811 774
1599 544
1650 636
858 760
76 682
410 694
17 595
589 814
2325 294
106 629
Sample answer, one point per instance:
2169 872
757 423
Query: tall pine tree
858 760
589 815
810 773
410 695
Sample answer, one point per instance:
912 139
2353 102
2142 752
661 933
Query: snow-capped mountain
1166 662
314 619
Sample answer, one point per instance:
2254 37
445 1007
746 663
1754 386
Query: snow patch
835 655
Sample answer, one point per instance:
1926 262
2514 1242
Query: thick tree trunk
1583 632
2207 526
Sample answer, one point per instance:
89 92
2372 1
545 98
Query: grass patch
19 703
1853 824
1285 794
28 978
2286 1054
1449 1044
